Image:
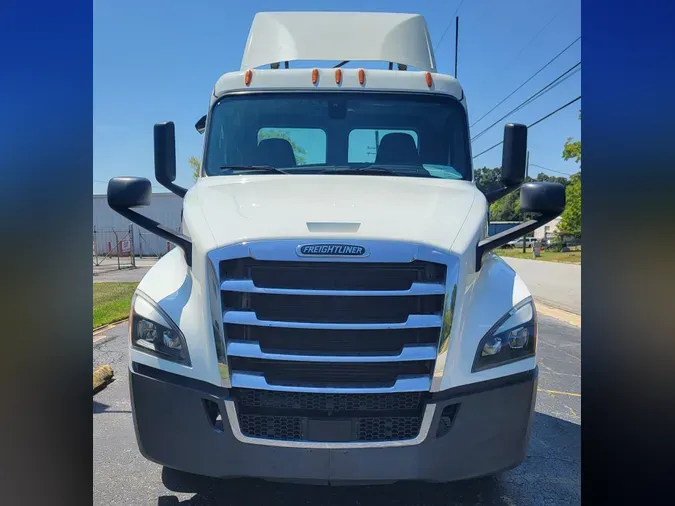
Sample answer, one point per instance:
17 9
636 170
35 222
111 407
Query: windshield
400 134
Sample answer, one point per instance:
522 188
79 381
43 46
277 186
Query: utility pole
456 42
527 171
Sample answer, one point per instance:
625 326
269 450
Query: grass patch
112 302
570 257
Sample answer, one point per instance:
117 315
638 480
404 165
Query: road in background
108 273
555 284
550 474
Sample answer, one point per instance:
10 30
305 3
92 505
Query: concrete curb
559 314
110 325
102 377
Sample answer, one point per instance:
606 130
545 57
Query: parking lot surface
550 475
555 284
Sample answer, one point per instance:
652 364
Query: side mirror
127 192
165 152
514 154
165 157
200 126
542 198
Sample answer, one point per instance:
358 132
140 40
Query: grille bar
248 286
420 383
251 349
413 321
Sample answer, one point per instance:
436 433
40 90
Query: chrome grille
327 327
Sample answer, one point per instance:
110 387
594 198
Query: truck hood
233 209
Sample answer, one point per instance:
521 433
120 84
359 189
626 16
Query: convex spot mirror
127 192
542 198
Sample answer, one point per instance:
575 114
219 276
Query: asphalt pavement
550 474
555 284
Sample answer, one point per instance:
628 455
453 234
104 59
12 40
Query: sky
157 60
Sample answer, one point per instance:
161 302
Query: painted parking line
558 392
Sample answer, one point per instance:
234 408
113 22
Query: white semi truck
333 312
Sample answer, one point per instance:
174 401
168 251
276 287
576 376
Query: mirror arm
502 238
174 188
495 195
156 228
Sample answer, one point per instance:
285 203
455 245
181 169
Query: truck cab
333 312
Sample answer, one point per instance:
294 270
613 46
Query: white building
112 230
548 230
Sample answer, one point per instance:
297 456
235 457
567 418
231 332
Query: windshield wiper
264 168
378 171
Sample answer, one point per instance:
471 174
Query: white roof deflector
338 36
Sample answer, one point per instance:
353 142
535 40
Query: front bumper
489 434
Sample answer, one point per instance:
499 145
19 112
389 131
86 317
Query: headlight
512 338
152 331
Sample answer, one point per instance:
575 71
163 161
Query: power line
531 77
557 81
530 42
550 170
554 112
533 124
448 27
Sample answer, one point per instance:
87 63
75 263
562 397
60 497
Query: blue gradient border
628 130
45 207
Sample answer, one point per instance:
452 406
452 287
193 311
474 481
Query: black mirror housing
128 192
165 152
165 157
514 154
542 198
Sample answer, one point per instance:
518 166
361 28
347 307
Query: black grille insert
299 416
331 374
332 342
333 309
329 403
333 275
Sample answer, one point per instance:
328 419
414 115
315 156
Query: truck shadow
549 475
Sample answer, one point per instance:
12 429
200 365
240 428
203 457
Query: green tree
572 149
488 180
196 165
300 153
570 221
